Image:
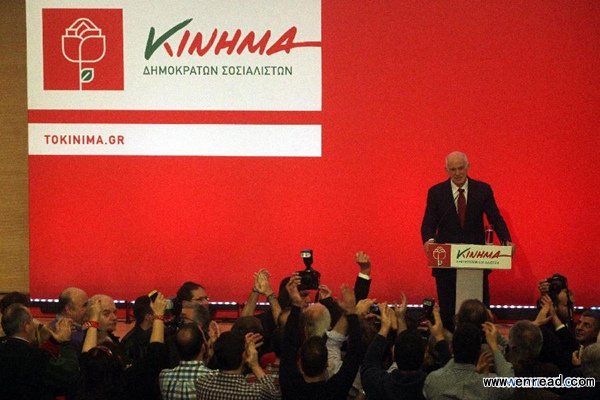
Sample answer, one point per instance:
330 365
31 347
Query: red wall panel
515 85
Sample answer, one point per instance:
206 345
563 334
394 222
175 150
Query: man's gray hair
455 154
590 361
14 316
525 341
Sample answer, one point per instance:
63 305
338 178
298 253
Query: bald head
457 166
456 156
73 303
317 320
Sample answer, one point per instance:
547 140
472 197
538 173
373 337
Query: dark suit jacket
28 372
441 219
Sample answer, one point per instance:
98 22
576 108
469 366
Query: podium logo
439 254
83 49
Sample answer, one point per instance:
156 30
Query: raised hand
364 262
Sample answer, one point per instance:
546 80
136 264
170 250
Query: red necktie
461 206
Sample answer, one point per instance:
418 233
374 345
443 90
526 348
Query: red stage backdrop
379 92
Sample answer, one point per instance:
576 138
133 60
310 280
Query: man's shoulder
12 345
186 367
478 185
439 187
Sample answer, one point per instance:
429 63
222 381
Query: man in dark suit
454 214
31 372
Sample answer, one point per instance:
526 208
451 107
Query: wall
14 240
513 84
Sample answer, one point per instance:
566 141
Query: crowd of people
300 347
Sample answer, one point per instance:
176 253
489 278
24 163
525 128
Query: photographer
555 321
307 379
407 379
462 376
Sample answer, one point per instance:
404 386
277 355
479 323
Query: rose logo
439 254
84 43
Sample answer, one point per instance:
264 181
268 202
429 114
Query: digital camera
309 278
557 283
428 304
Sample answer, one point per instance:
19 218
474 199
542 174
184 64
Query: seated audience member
406 381
248 324
316 320
474 312
559 341
232 352
101 376
11 298
27 371
525 342
107 320
587 328
461 378
178 383
193 313
135 343
138 380
524 346
73 302
437 351
590 368
308 378
194 292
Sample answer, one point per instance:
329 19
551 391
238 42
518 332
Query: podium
469 261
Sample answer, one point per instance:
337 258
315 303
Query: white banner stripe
175 140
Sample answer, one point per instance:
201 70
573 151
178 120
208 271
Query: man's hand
261 282
324 292
576 358
485 363
548 305
387 315
253 340
95 310
491 335
400 312
427 244
348 300
545 313
436 329
159 305
292 289
364 262
543 287
363 307
213 332
62 331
